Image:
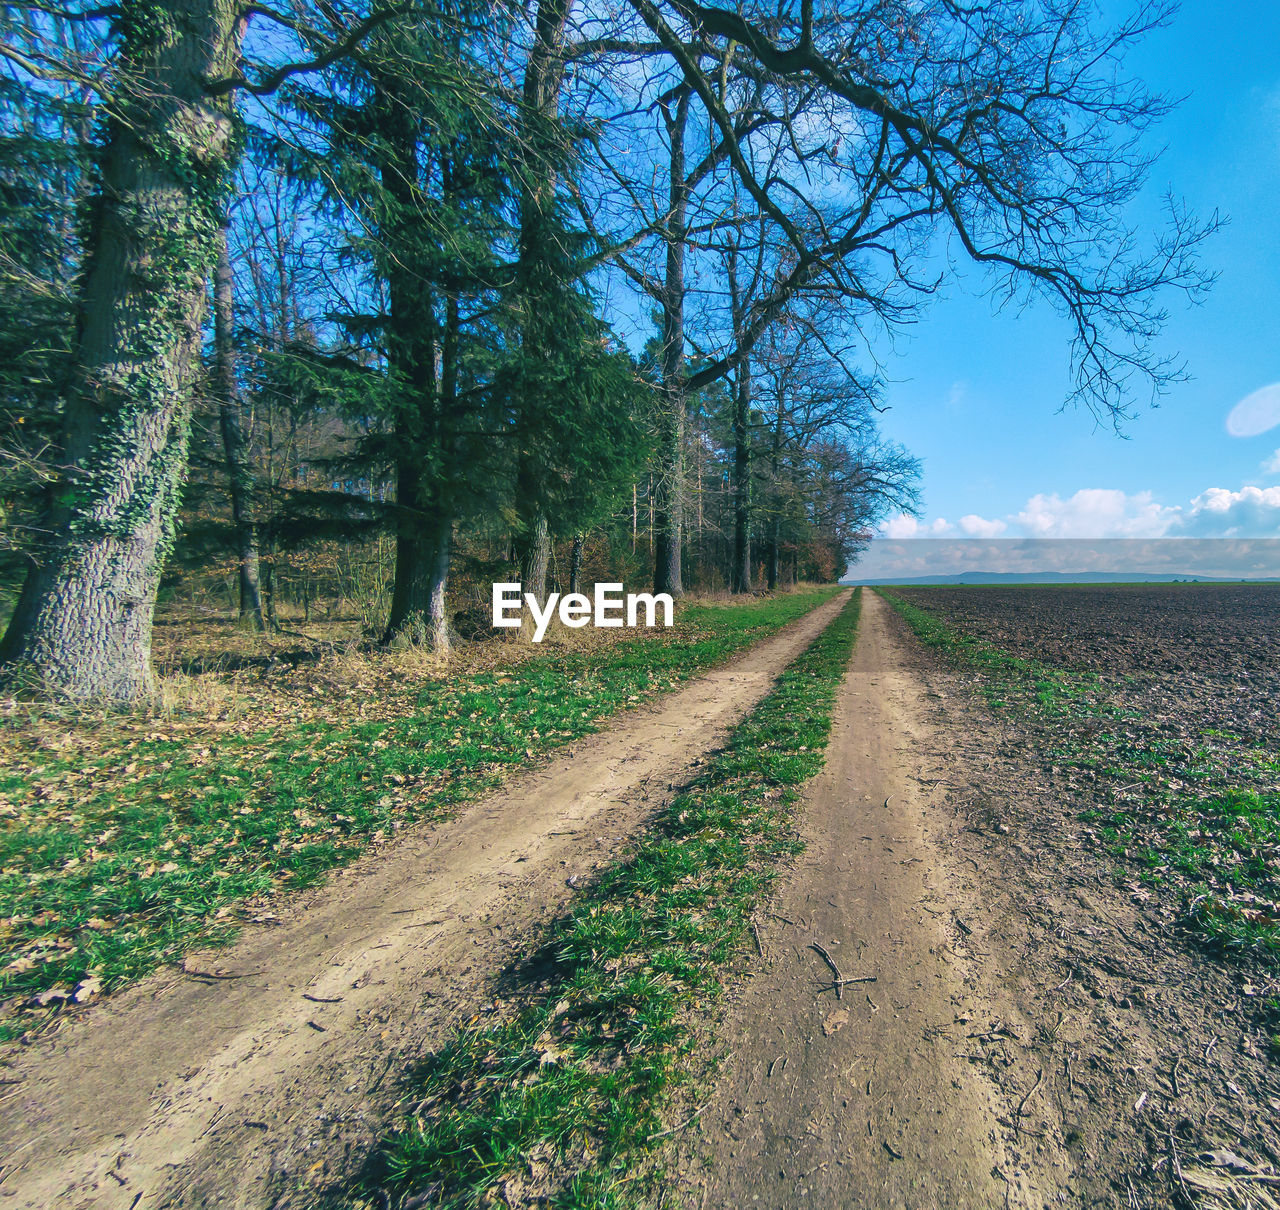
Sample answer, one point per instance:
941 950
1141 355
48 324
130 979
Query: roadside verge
127 841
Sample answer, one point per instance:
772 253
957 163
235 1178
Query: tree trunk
239 474
740 553
408 585
423 523
85 629
533 550
420 603
741 577
575 565
773 562
437 618
543 81
669 510
269 593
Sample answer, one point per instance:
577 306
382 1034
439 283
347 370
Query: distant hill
1060 577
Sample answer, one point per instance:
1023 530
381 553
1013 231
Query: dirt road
268 1067
1034 1035
866 1099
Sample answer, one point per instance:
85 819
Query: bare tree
235 447
1007 127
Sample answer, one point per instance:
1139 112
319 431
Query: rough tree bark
740 555
84 628
575 565
533 555
740 572
239 473
773 567
436 618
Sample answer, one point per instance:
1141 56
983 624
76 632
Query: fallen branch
697 1113
1031 1092
835 970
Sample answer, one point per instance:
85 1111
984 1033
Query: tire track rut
276 1070
870 1099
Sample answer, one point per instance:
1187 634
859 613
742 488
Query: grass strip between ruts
561 1099
131 850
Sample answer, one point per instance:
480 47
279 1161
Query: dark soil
1193 656
1154 997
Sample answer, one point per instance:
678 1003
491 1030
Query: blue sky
975 394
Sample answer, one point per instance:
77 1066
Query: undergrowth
562 1099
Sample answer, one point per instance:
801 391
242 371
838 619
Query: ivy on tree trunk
84 628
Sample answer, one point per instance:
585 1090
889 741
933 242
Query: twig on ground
1030 1093
835 970
697 1113
1175 1170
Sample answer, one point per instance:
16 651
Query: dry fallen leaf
835 1022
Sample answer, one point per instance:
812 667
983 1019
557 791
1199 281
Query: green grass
1004 676
140 845
1202 816
564 1096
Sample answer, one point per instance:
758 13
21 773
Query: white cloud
903 526
900 526
1222 513
1255 413
1272 464
979 527
1096 513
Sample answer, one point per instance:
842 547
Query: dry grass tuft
212 695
